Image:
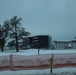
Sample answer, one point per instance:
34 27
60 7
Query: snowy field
59 71
63 71
35 52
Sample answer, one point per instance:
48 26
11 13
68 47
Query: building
40 41
64 44
37 42
26 42
45 42
73 44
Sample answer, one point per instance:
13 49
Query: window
62 43
56 46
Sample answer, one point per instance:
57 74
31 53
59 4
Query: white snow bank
35 52
63 71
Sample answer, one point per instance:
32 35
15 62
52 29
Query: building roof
65 41
73 40
61 41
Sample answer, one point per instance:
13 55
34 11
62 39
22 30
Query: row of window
65 47
64 43
60 46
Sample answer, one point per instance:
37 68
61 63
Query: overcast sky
56 18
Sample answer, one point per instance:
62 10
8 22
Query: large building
37 42
64 44
41 41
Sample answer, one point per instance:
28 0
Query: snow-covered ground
35 52
63 71
60 71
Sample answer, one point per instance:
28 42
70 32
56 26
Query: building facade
40 41
26 43
64 44
37 42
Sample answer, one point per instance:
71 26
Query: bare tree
13 29
14 23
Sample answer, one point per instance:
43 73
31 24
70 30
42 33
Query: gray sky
52 17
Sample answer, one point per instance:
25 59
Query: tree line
12 29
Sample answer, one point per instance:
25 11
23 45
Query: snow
35 52
63 71
30 52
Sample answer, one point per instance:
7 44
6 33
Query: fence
21 62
